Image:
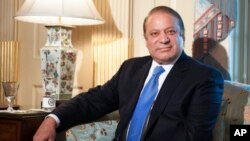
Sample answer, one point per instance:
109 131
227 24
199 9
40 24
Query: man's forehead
161 15
159 19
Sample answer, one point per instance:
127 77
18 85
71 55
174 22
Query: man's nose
164 38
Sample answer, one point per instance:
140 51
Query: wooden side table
20 126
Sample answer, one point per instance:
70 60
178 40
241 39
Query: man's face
163 37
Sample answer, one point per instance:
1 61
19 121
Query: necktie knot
158 70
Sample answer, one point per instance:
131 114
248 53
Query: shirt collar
166 67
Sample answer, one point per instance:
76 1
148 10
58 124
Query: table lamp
58 55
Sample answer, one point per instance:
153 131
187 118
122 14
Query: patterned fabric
214 18
235 109
96 131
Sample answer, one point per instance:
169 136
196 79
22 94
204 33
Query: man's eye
171 32
154 34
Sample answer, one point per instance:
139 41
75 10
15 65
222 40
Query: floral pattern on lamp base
58 59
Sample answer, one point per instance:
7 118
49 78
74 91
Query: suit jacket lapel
142 74
171 82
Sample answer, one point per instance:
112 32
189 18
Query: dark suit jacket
185 110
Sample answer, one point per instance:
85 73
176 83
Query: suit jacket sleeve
88 106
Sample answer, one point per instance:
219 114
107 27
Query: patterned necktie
143 106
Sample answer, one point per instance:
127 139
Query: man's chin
165 60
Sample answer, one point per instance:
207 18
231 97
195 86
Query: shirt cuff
55 118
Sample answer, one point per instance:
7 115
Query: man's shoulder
200 68
204 66
136 63
138 60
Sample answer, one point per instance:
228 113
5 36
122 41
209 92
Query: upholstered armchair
101 130
235 109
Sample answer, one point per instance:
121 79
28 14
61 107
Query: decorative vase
58 59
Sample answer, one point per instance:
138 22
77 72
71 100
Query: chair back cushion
235 109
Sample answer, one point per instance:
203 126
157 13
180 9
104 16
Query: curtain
112 41
9 46
8 26
214 18
240 44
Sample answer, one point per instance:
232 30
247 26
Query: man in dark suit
186 104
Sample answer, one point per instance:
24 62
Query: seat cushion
96 131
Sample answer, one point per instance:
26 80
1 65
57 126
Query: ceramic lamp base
58 62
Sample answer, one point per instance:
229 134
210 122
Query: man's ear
145 37
182 35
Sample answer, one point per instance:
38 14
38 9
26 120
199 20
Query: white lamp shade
59 12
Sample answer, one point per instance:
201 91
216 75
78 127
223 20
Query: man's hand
46 131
